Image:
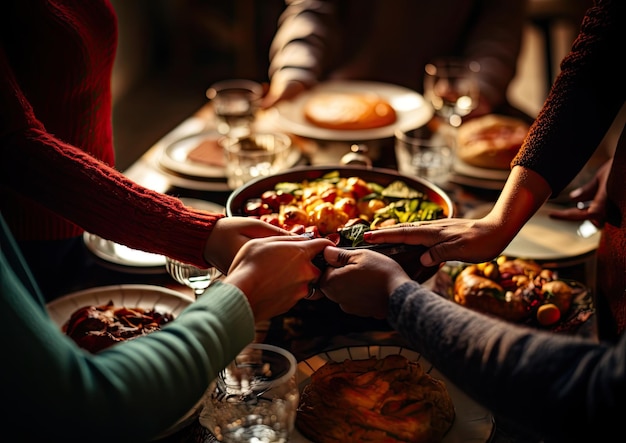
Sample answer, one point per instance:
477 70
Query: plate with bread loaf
486 146
383 393
353 111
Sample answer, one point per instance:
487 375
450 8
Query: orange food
350 111
491 141
390 399
513 289
548 314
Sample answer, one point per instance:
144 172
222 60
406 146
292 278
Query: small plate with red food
144 307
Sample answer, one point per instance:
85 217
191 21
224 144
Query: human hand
276 272
230 233
594 191
280 90
473 241
360 280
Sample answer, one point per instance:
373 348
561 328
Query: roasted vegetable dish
341 208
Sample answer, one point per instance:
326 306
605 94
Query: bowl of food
343 202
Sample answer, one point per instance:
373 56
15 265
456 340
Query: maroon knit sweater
56 173
583 102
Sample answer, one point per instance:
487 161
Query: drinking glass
235 103
256 155
451 86
255 398
191 276
420 153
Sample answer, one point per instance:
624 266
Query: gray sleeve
554 384
303 44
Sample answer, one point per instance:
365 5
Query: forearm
102 200
583 102
508 368
136 389
303 42
523 194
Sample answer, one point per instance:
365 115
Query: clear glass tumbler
191 276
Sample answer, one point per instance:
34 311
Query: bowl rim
318 171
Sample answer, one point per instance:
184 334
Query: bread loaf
348 111
491 141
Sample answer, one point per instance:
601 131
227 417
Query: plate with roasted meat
98 318
115 313
383 393
517 290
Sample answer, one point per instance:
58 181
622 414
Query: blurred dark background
170 51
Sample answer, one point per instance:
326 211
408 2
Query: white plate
411 109
125 258
132 296
546 238
174 157
460 167
133 260
472 423
140 296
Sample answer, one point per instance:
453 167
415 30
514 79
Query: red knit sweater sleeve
56 142
102 200
584 100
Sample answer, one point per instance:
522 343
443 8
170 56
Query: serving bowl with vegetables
342 203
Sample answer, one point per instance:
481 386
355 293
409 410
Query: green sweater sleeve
131 391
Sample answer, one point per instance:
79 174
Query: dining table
310 327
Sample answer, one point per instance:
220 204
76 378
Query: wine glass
191 276
451 86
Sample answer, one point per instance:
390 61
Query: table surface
310 327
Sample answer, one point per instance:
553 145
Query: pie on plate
390 399
472 422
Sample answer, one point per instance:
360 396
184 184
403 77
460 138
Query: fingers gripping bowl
385 191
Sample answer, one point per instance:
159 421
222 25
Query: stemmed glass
451 86
191 276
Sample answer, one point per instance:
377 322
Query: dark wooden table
310 327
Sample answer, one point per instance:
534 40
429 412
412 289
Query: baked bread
512 289
491 141
374 400
348 111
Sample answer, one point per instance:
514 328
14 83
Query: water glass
255 398
191 276
254 155
235 103
451 86
423 154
